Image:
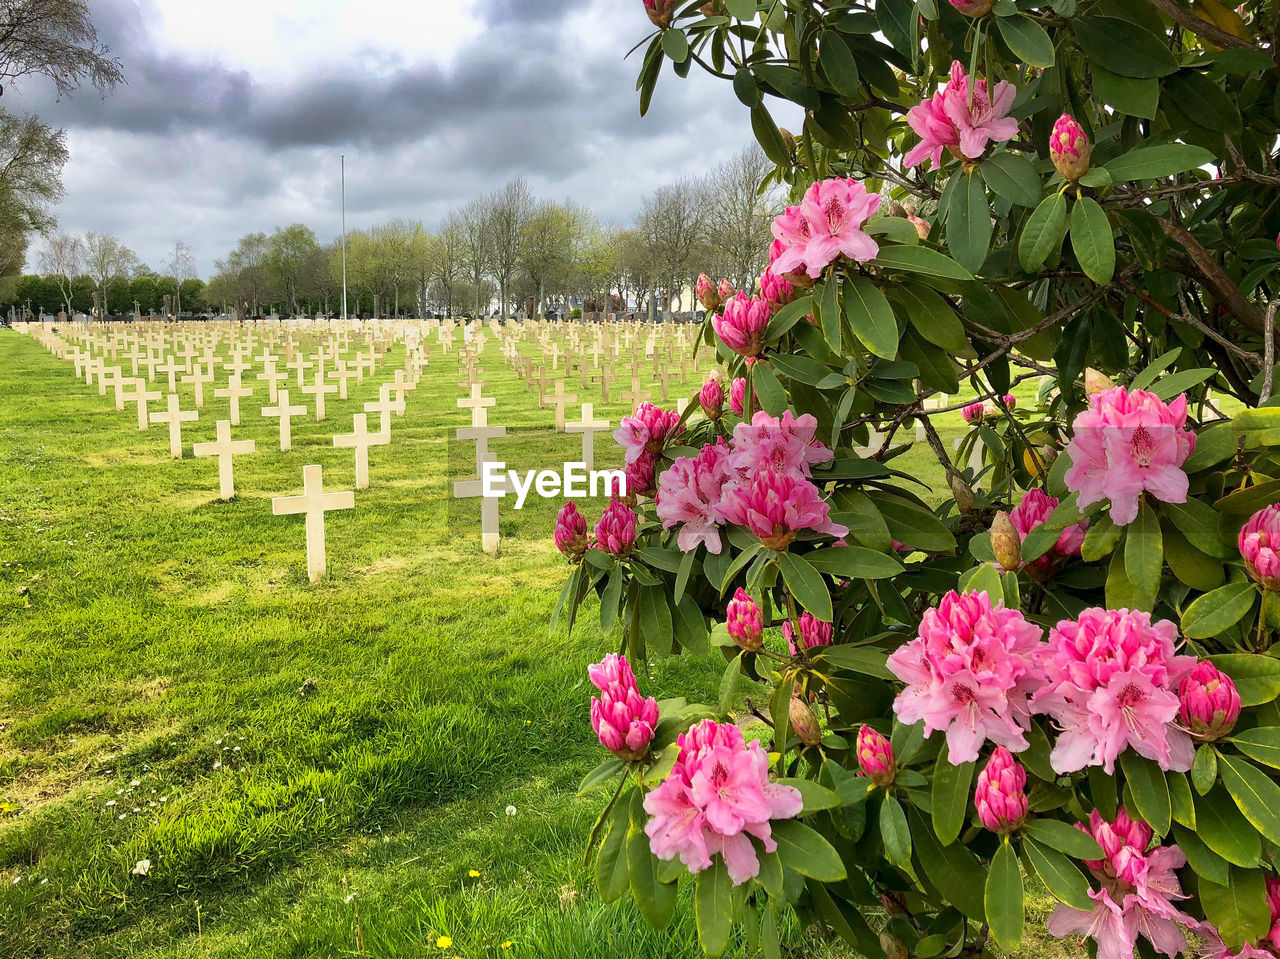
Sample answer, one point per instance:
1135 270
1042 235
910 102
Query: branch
1271 353
1214 276
1206 31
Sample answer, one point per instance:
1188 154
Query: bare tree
180 265
106 258
245 270
55 39
669 228
739 231
476 255
449 258
60 262
546 249
31 161
509 212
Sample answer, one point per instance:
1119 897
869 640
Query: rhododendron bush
1066 673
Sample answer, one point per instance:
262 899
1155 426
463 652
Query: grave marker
224 448
313 503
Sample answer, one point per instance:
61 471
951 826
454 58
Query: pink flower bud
973 413
741 327
726 290
706 293
1208 704
922 226
660 12
778 291
1009 401
745 621
622 719
973 8
1260 546
813 633
738 396
875 757
712 398
1069 148
1006 543
804 723
1001 794
571 532
1124 844
616 531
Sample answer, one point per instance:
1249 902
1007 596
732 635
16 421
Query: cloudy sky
235 113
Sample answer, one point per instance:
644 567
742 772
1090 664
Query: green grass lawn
156 645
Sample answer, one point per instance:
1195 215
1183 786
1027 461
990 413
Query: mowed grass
359 767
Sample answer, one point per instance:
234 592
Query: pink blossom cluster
745 620
571 532
738 396
962 118
716 800
1139 888
760 481
974 413
776 289
1126 443
1111 684
1208 702
1259 543
616 531
622 719
814 634
1030 513
1069 148
742 324
875 756
1001 793
642 435
970 673
827 224
711 398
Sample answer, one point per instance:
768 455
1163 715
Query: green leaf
1063 837
1183 805
1257 678
1028 40
655 619
1201 99
1150 791
1255 793
1204 768
931 315
1092 241
1059 874
1138 97
713 907
854 562
772 397
1261 745
1144 555
806 585
1202 860
1003 897
815 797
1043 233
729 684
1123 47
937 368
612 877
829 312
867 660
951 786
969 223
920 259
1198 522
742 9
675 45
1149 163
871 317
1219 610
766 133
1013 177
610 600
953 870
1102 537
838 64
916 527
606 771
806 852
1225 831
1239 909
787 317
657 900
894 832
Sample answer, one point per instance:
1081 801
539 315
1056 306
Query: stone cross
342 374
318 389
360 441
175 417
141 395
479 406
172 368
559 399
225 449
313 503
273 378
473 489
481 435
384 407
286 412
588 426
635 395
300 364
198 377
235 393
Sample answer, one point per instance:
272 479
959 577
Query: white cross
588 427
559 399
273 378
318 389
225 449
313 503
384 407
198 377
141 395
175 417
342 374
300 364
472 489
111 378
283 410
360 441
172 368
481 436
234 392
479 406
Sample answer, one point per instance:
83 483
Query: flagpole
344 235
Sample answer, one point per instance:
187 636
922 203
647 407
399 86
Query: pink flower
1125 443
922 226
571 532
972 8
974 412
660 12
1124 843
726 290
1069 148
833 214
741 326
624 721
706 293
1001 793
640 475
1208 703
711 398
689 494
645 431
778 291
787 445
791 234
1009 401
1259 544
961 120
875 756
1111 681
745 621
738 396
814 633
616 531
1035 508
970 672
716 799
776 506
